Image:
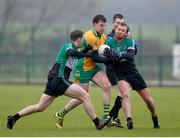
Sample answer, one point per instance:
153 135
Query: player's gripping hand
89 54
87 49
94 53
108 53
116 54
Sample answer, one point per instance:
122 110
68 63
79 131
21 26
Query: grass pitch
77 123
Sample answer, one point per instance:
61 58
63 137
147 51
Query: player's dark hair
98 18
125 24
76 34
120 16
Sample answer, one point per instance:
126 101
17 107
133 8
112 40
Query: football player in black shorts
58 84
127 75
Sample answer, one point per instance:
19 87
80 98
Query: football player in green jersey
57 85
115 122
127 75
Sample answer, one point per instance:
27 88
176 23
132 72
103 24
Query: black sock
96 121
16 117
129 118
155 119
117 106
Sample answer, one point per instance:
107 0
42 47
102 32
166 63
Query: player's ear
129 35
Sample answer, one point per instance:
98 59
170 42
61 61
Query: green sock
106 110
61 113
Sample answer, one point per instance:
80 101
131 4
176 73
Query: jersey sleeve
69 47
109 36
130 43
109 43
84 43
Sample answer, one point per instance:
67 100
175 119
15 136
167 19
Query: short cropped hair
98 18
125 24
120 16
76 34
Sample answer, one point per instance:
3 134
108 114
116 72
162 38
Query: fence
28 69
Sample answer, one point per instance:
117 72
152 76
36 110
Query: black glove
94 52
110 61
87 48
113 60
108 53
89 54
116 53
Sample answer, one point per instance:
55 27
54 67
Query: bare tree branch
9 8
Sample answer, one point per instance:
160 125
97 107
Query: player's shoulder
103 36
111 34
67 45
88 33
110 40
128 39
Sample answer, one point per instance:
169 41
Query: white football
101 49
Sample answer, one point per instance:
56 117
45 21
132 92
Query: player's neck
119 39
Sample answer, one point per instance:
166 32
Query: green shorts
82 76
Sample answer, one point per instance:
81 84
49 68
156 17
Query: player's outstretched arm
74 53
96 58
129 55
87 49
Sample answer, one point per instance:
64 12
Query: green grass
77 123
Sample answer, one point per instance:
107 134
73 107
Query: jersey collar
73 45
119 41
96 33
113 31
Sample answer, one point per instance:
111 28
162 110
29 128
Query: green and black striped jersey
63 57
123 46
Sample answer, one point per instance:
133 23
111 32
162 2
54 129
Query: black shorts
55 71
56 86
135 80
110 72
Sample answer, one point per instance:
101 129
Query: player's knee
149 101
86 97
40 108
107 87
125 95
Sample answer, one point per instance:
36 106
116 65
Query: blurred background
31 32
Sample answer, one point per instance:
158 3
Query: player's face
100 26
117 22
79 42
121 32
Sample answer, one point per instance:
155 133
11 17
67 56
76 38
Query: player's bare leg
44 102
73 103
116 122
101 80
124 89
145 94
76 91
